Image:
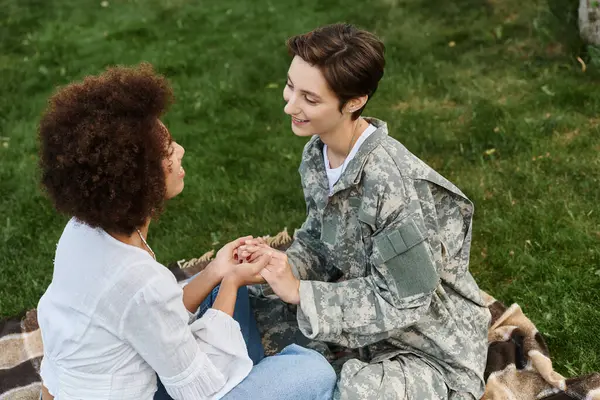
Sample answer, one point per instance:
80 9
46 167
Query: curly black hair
102 148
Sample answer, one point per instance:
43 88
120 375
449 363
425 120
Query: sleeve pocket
406 256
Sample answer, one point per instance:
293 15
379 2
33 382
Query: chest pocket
366 220
346 237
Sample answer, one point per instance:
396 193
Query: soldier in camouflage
377 277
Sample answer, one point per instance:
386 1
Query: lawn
489 93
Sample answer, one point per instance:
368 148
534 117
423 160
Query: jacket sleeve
204 359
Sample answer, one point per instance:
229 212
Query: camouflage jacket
384 261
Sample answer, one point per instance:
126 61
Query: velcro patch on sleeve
404 253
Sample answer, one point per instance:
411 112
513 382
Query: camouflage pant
403 376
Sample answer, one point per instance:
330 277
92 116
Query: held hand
226 258
250 246
278 274
248 273
240 275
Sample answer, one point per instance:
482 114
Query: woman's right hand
242 275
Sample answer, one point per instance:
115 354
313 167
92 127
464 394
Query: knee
315 368
321 372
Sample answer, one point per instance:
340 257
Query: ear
356 104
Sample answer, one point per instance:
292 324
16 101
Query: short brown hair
102 147
352 60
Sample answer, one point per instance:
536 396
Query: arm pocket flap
399 241
407 259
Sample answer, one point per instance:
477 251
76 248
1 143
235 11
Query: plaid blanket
519 366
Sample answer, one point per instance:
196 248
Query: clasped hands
249 260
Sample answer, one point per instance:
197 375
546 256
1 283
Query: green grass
487 92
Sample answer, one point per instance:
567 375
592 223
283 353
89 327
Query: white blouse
113 317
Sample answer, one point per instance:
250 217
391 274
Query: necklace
350 144
146 244
351 140
356 129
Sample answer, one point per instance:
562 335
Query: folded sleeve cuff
319 317
292 263
220 338
220 330
192 317
200 380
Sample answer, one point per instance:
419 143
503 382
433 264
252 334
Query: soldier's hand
278 274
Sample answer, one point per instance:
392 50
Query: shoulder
147 276
154 297
400 176
385 166
131 276
94 260
390 153
391 160
141 288
390 178
147 288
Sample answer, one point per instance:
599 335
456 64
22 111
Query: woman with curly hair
114 319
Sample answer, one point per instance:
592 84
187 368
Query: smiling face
174 172
312 105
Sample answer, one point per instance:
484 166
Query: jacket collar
317 184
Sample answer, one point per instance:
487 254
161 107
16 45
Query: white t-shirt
334 174
112 316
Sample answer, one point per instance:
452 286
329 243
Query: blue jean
244 316
296 373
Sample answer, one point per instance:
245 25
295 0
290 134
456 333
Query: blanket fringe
183 264
281 239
